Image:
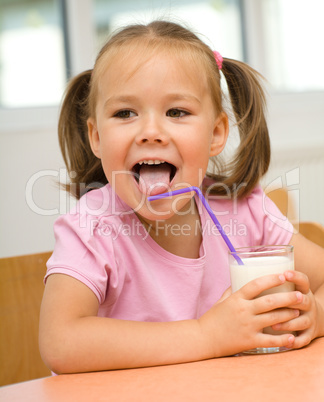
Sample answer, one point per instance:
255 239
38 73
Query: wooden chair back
21 291
285 204
313 231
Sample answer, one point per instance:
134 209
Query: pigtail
247 97
83 166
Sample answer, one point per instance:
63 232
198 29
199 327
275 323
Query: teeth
151 162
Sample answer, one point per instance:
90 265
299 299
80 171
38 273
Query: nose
152 132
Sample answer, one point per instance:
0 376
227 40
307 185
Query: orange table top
296 375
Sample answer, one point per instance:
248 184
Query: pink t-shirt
103 244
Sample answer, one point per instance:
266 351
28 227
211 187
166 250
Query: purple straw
209 210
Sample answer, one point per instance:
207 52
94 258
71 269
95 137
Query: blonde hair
252 158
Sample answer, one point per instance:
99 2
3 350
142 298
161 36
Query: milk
256 267
259 266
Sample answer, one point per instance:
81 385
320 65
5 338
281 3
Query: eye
176 113
124 114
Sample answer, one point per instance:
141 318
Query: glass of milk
259 261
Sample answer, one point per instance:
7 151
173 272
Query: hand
235 323
306 325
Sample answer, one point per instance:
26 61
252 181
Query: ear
94 138
220 134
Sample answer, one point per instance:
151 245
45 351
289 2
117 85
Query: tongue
154 179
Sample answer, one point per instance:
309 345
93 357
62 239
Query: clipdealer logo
289 182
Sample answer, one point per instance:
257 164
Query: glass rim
262 249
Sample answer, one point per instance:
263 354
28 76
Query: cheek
198 151
109 167
110 152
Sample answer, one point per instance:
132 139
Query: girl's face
154 131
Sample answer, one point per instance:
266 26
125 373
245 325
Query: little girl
133 283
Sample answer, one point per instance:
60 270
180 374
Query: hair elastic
219 59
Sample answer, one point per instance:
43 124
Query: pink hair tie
219 59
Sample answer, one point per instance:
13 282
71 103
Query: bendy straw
209 210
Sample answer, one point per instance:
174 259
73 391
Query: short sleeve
80 254
268 225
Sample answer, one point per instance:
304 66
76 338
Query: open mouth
151 174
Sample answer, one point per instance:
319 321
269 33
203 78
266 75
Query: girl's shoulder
230 204
84 246
255 212
97 209
102 201
256 202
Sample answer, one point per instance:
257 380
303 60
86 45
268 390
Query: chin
156 211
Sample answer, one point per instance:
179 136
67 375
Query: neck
180 234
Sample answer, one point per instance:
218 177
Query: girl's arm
309 259
74 339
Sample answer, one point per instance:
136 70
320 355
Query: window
284 40
280 38
217 22
32 55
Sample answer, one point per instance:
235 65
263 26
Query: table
296 375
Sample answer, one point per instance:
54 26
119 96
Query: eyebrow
180 96
120 99
132 98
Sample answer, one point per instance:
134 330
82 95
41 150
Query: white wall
22 155
296 124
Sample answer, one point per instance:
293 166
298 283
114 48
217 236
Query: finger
273 341
253 289
302 339
277 317
305 303
301 323
300 280
275 301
